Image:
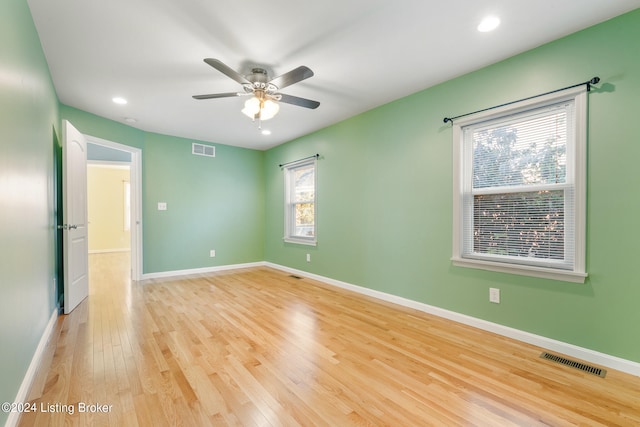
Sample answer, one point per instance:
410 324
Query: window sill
300 241
522 270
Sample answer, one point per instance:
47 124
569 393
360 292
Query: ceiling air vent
203 150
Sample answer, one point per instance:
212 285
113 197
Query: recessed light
119 100
130 120
489 23
266 132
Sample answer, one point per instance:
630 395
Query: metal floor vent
574 364
294 276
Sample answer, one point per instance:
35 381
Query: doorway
109 205
120 160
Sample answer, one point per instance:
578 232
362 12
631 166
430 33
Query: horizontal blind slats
529 148
521 224
518 201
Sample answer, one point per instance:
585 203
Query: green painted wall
385 196
28 115
213 203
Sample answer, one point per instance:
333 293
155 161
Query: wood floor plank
257 347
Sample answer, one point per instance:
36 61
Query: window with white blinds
300 202
520 188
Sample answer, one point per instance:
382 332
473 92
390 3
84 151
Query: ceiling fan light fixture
264 104
269 109
255 108
251 107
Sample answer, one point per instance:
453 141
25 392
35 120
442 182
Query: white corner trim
23 391
203 270
586 354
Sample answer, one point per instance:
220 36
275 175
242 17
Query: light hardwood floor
254 347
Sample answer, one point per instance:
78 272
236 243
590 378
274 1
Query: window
300 202
519 188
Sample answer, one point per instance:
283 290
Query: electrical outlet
308 257
494 295
212 253
162 206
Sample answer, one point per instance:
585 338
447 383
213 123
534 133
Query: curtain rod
588 83
299 160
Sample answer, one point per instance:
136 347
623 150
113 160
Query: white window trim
288 219
578 274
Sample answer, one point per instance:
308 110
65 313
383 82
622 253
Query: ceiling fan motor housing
260 82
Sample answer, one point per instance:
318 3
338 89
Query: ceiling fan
263 105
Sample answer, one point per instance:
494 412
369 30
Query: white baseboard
586 354
108 251
23 392
204 270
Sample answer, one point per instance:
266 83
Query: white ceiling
364 53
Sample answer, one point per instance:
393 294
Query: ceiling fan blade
300 102
218 95
227 71
293 76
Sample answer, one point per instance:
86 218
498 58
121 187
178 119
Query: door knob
67 227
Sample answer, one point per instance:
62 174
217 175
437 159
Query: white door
74 199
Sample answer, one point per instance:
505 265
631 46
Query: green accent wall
28 117
385 196
212 202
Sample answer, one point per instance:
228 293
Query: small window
519 202
300 202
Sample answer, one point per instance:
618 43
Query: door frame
136 200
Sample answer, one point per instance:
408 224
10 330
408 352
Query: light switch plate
494 295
